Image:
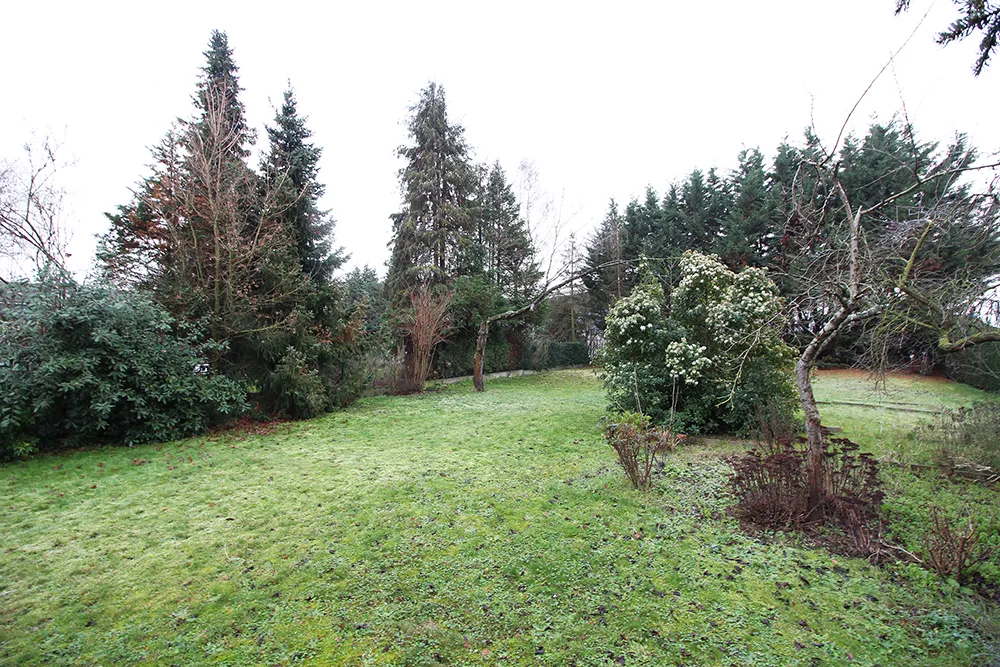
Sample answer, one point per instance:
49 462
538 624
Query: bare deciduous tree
31 231
849 276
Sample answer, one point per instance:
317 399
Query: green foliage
220 77
454 359
506 252
438 183
752 220
560 353
604 285
84 364
634 368
713 361
459 226
757 216
977 366
296 389
291 170
474 297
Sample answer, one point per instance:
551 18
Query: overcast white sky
605 98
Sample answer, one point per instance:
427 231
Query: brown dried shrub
953 551
770 484
638 444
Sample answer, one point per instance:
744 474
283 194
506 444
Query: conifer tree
608 284
509 252
750 226
291 169
438 183
642 220
220 78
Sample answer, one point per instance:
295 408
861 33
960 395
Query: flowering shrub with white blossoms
713 362
635 324
686 361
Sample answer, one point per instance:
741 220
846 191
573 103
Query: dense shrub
638 444
977 366
327 345
294 388
83 364
454 358
705 359
558 354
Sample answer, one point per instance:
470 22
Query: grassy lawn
451 528
884 416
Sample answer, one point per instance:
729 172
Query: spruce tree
291 169
642 220
220 83
438 184
605 285
509 252
750 228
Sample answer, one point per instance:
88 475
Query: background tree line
215 291
234 265
759 215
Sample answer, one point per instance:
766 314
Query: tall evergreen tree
223 248
438 184
291 169
640 226
751 225
704 205
220 82
509 251
605 285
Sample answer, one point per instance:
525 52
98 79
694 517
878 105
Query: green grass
894 409
446 528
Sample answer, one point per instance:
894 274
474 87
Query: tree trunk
484 328
477 364
814 429
814 432
846 316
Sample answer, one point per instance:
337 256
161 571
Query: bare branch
30 210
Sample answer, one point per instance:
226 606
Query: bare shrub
952 552
853 489
771 486
638 444
424 328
